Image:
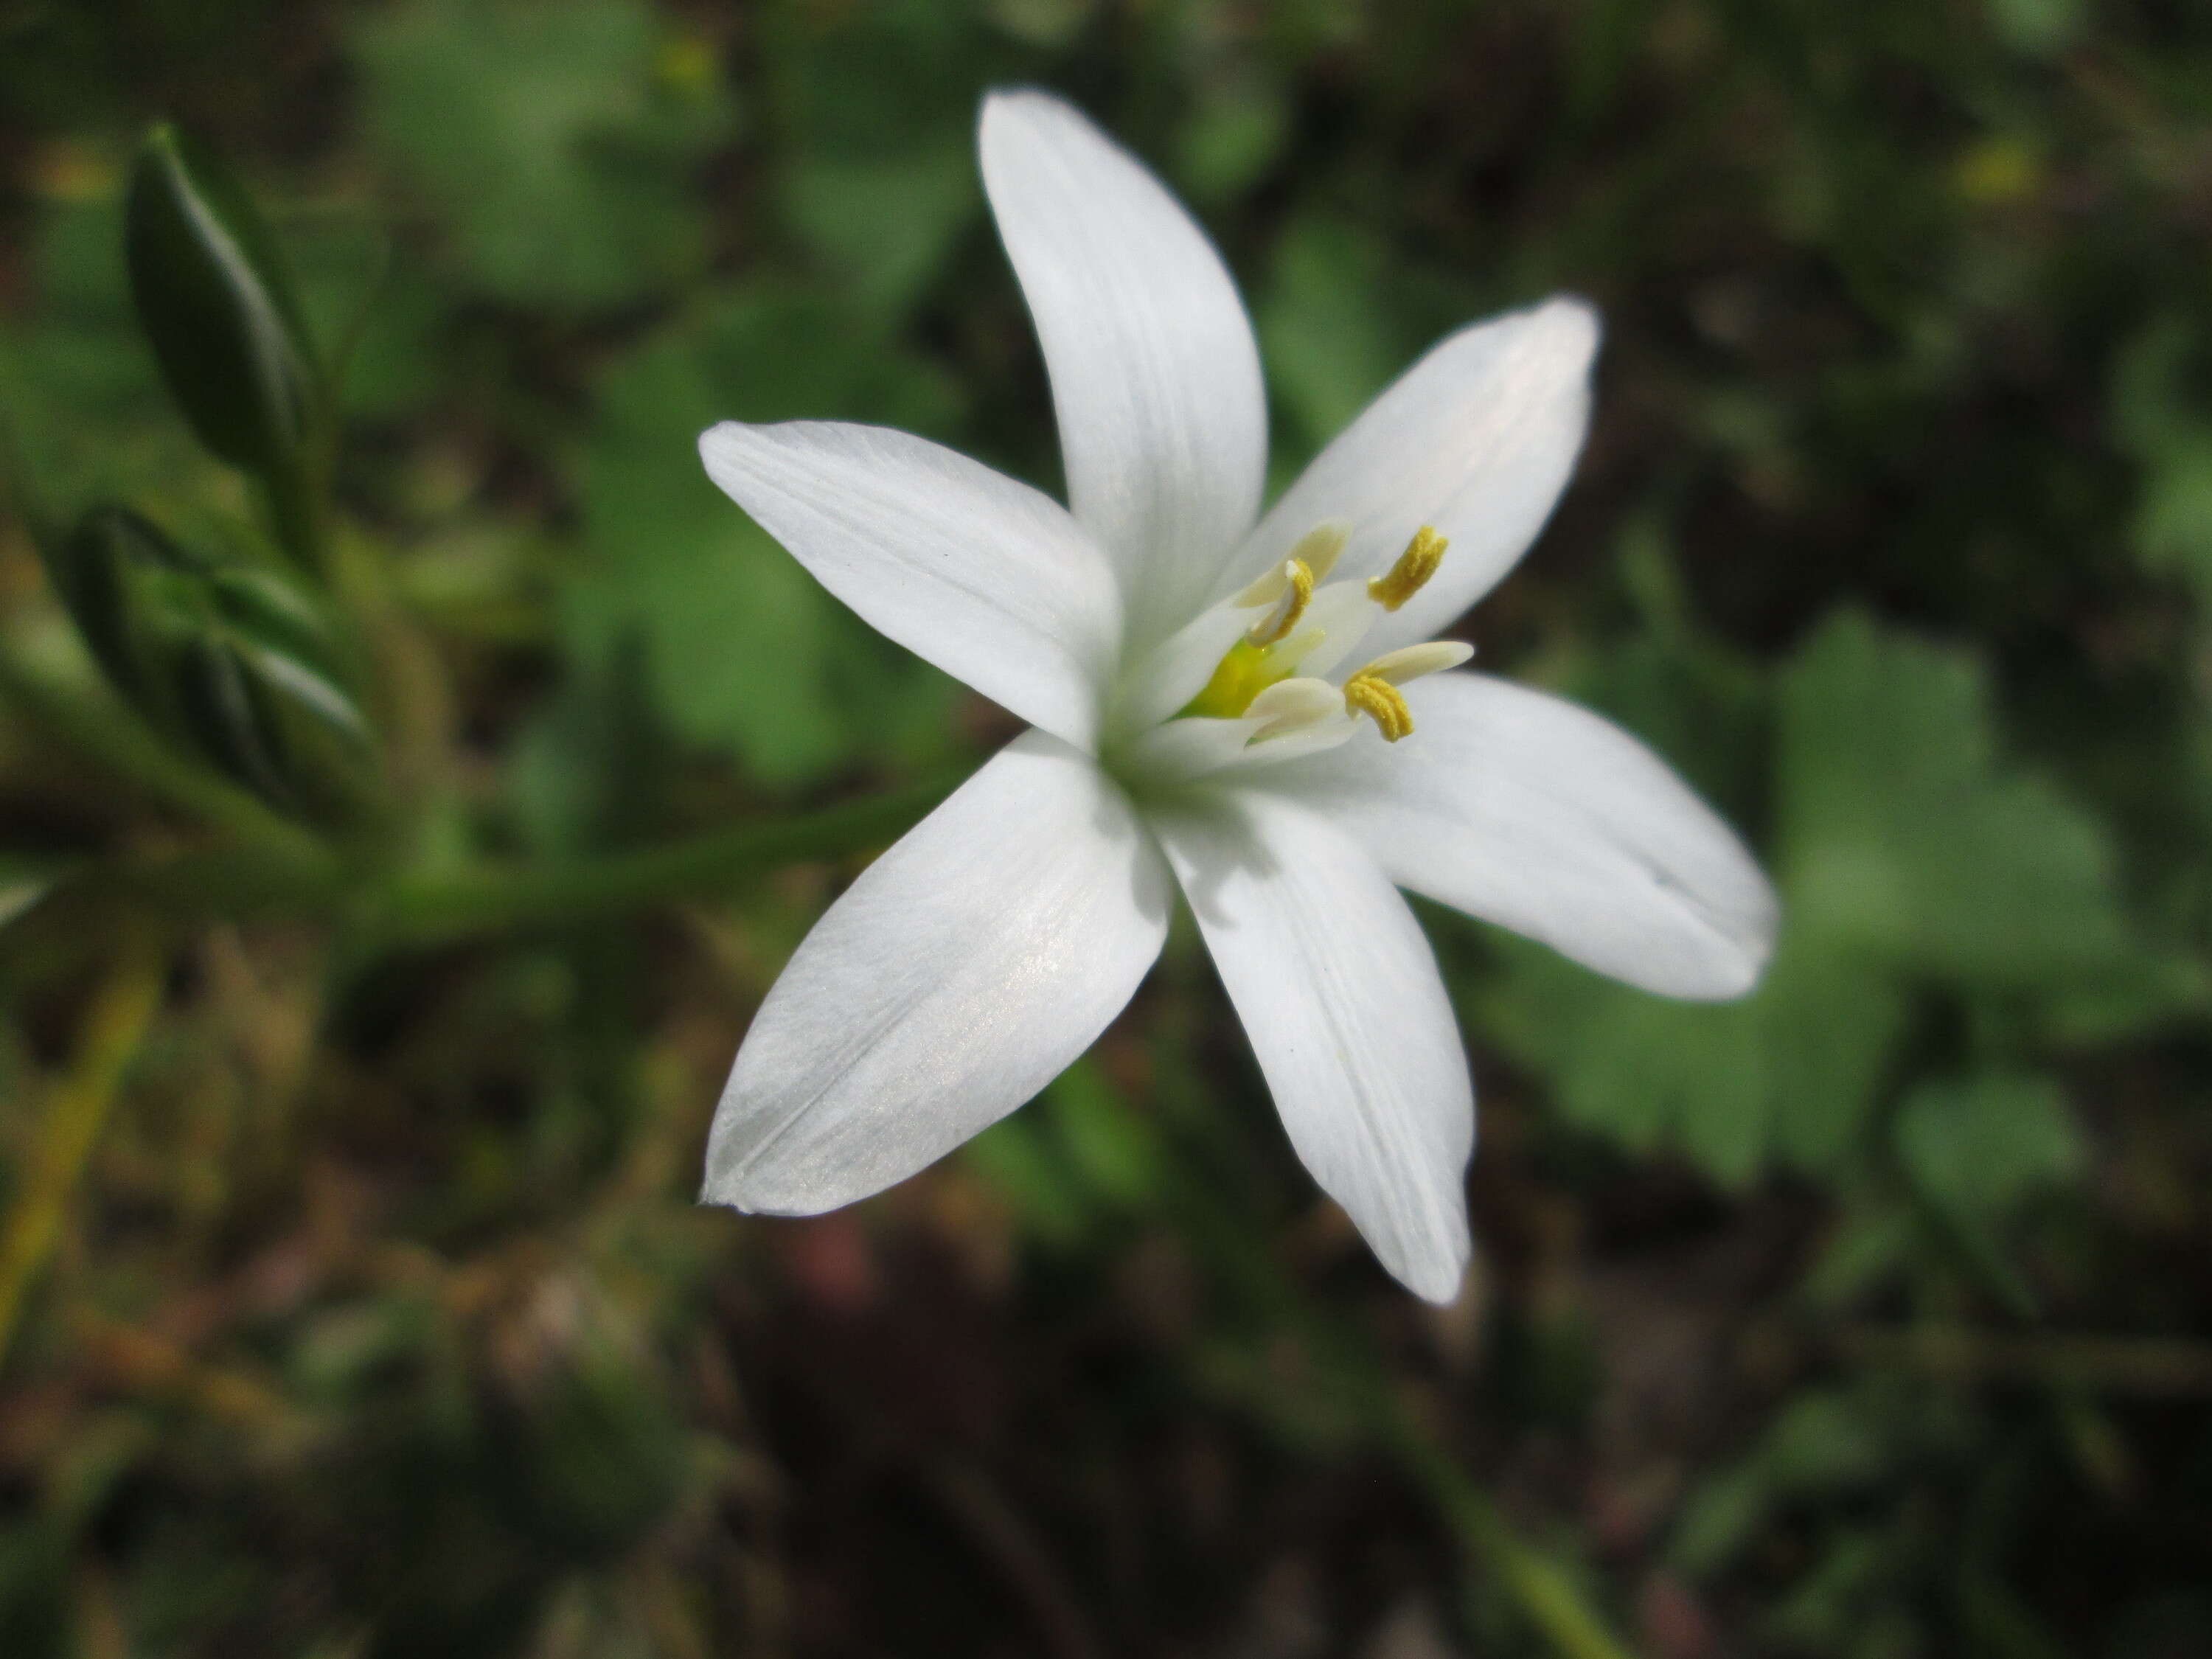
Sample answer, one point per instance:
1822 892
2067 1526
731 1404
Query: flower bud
236 661
218 307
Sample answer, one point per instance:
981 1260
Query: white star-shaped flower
1251 711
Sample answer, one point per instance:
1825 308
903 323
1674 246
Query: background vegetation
352 1078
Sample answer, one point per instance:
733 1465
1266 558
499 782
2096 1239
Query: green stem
105 732
421 907
425 907
298 516
1539 1585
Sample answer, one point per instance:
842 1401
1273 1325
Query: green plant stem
298 514
425 907
1540 1586
418 908
104 732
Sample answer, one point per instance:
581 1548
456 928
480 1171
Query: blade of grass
114 1026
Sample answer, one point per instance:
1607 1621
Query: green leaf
1907 838
1790 1074
884 224
1329 347
218 307
1114 1153
1974 1152
1910 855
1234 133
873 131
555 139
1978 1149
1822 1444
2156 414
1013 1156
743 650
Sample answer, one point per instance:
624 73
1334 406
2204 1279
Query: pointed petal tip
714 1194
1435 1286
1004 108
1758 929
1440 1275
1734 973
1568 323
1154 372
1572 311
749 1193
718 440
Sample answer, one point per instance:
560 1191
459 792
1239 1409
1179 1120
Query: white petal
986 578
1169 756
1528 811
1162 424
1477 440
957 977
1171 672
1339 992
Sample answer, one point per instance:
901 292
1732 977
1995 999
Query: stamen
1411 574
1381 702
1318 549
1291 706
1408 663
1290 606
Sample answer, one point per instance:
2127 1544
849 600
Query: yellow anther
1290 605
1381 702
1411 574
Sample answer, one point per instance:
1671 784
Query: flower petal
1528 811
1155 377
1339 992
957 977
986 578
1477 440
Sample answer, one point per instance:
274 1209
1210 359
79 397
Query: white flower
1253 712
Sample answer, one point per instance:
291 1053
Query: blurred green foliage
1866 1317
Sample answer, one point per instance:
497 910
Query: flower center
1284 686
1272 650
